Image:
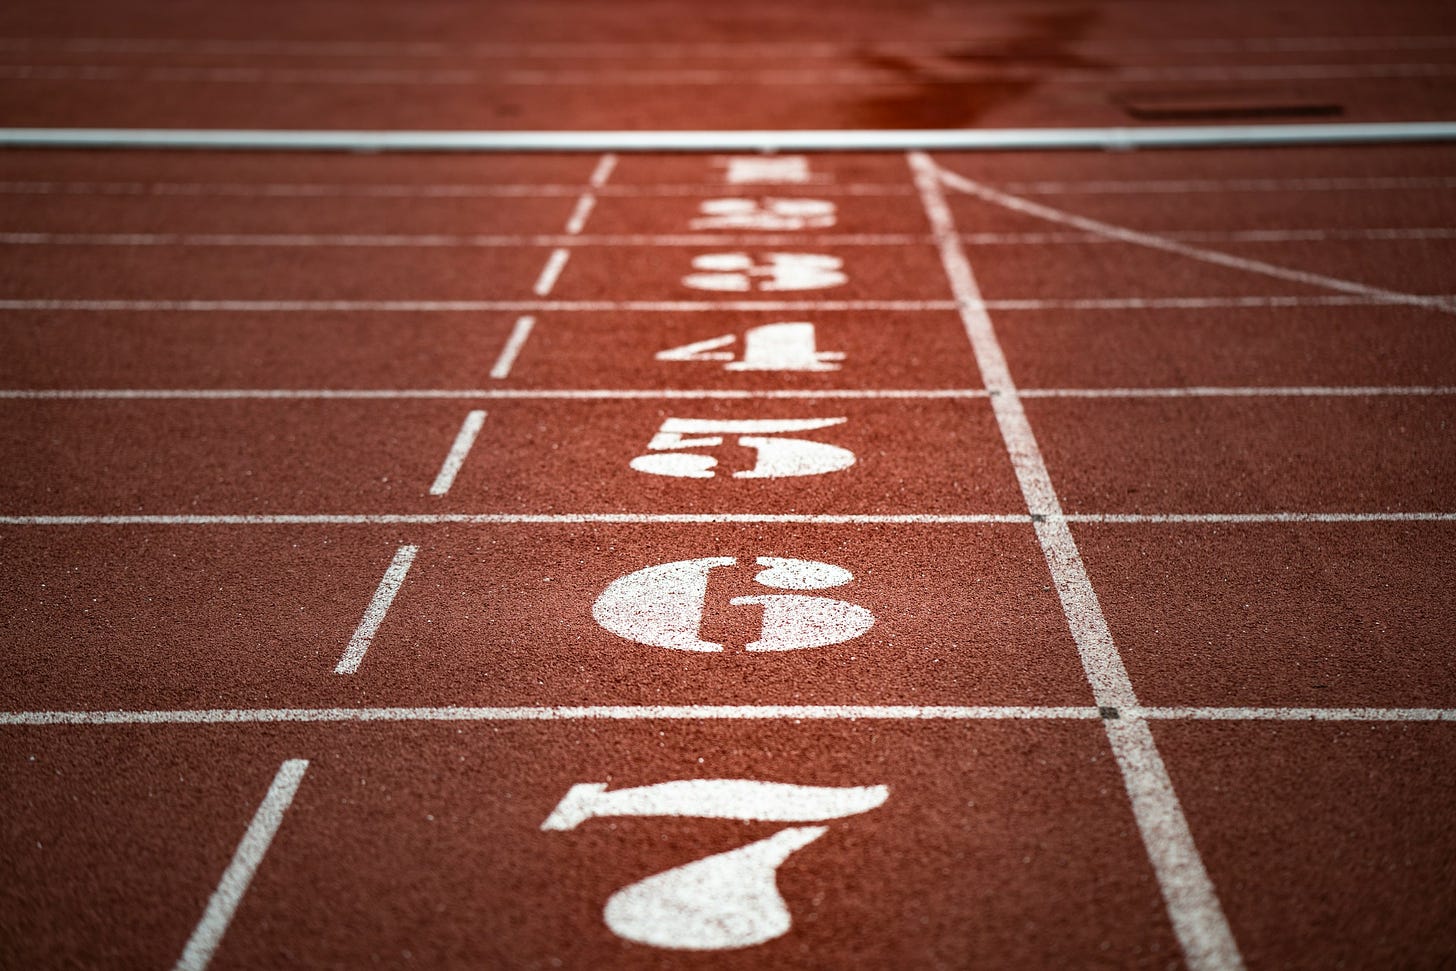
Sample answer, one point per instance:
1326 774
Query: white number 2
727 900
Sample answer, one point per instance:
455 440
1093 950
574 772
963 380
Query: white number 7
727 900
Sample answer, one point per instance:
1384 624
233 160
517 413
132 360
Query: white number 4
727 900
771 347
776 457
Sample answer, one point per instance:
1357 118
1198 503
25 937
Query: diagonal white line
512 348
459 449
1136 238
374 614
1192 902
235 879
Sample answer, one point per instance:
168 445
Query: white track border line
717 519
853 140
1134 237
51 305
1192 902
707 394
531 713
239 873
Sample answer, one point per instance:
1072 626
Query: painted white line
1193 905
613 518
251 190
438 241
695 394
1184 186
246 859
531 394
945 139
1215 257
519 519
512 349
244 716
538 713
378 606
459 449
1232 518
555 263
688 306
584 206
605 166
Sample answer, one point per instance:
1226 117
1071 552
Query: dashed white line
244 716
512 349
459 449
1193 905
246 859
578 218
1217 258
555 263
378 607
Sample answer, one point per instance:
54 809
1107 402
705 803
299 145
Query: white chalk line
1184 186
1193 906
718 518
459 450
1215 257
578 218
530 713
520 331
691 306
551 272
502 369
208 933
375 613
455 190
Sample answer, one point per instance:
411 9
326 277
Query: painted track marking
791 713
1151 241
378 606
459 450
555 263
1193 905
512 349
239 873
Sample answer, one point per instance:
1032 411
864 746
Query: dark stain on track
932 97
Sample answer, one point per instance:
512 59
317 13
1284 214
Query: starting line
850 140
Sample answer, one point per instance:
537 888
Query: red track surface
252 514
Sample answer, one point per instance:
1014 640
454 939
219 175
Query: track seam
1192 902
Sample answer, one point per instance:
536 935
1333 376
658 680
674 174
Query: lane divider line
719 518
248 716
848 140
694 306
512 349
224 901
378 606
1193 906
459 450
1134 237
704 394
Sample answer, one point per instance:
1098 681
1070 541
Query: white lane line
578 219
690 306
931 139
245 862
378 606
516 519
696 394
584 206
1193 905
445 190
723 518
1215 257
1183 186
233 716
555 263
512 349
459 449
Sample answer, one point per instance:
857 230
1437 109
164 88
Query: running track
976 560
